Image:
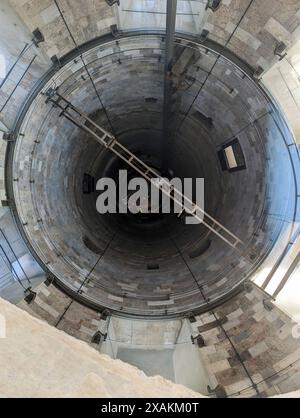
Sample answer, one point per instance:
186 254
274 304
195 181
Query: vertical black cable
220 325
87 277
85 66
15 255
214 65
24 50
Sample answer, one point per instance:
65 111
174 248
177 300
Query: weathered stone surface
36 360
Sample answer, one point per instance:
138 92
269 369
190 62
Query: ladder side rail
197 208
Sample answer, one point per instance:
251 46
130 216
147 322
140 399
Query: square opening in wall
232 157
152 266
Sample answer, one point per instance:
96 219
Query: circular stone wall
143 267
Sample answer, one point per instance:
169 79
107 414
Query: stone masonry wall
264 341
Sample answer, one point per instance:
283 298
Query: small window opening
153 267
232 157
